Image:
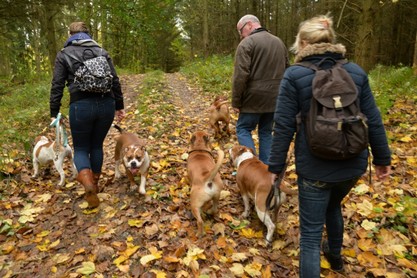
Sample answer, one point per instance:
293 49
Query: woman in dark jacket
322 184
91 114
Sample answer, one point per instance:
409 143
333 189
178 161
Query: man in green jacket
260 62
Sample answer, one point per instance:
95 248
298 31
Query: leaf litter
46 231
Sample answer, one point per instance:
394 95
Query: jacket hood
80 38
319 48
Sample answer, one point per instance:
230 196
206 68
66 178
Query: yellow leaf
43 233
54 244
368 225
365 208
43 198
54 269
87 268
61 258
237 269
253 269
369 259
171 259
135 223
406 139
249 233
239 257
120 260
361 189
365 244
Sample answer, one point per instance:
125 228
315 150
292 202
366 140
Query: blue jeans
246 123
319 204
90 120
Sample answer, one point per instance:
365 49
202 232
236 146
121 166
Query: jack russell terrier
47 152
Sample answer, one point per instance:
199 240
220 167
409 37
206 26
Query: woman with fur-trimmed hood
322 184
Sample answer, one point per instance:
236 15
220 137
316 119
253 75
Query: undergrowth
25 108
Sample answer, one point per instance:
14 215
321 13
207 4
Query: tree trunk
205 28
415 56
364 51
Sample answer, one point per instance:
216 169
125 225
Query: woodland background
173 57
163 34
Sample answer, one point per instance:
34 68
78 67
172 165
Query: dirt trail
63 239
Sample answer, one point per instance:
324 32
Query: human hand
382 172
236 110
120 115
273 178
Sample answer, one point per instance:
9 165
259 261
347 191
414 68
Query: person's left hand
120 115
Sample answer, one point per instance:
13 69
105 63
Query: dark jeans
90 120
319 204
246 123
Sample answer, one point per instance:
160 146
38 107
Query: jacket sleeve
58 84
241 73
376 130
116 87
285 123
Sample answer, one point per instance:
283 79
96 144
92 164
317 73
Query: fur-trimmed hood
319 48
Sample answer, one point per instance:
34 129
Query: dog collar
209 152
244 156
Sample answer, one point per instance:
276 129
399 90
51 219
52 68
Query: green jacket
260 62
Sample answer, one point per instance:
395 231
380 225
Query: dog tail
213 173
118 128
221 103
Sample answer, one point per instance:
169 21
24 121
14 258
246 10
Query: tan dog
131 152
219 117
47 152
204 177
254 182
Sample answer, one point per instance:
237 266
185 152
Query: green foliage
25 111
212 74
389 83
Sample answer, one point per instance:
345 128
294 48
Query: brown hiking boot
96 178
85 177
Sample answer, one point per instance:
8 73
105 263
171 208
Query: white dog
46 152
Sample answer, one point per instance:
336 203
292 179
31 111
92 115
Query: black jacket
64 76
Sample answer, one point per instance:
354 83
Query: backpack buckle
337 102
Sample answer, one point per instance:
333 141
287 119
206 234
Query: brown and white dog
254 182
131 152
219 116
47 152
205 180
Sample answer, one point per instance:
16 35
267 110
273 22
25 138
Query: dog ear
192 139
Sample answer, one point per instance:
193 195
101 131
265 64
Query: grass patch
391 83
26 114
213 74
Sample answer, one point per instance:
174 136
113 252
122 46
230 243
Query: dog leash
275 190
60 138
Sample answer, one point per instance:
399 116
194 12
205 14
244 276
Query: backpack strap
317 66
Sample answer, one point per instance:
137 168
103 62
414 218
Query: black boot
336 261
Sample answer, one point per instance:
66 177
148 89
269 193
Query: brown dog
219 117
254 182
204 177
131 152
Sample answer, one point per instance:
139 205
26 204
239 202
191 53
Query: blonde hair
77 27
318 29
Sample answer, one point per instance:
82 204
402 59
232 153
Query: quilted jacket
295 96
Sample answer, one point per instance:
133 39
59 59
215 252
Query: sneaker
336 261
